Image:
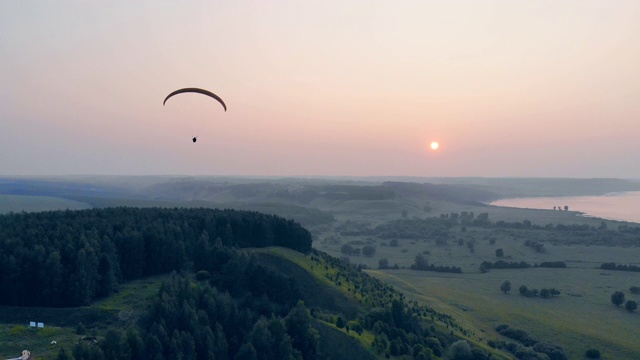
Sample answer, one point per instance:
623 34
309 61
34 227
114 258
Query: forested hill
69 258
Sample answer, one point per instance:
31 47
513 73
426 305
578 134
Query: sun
435 145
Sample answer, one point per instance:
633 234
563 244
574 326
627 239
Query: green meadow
580 318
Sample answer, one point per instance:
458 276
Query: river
623 206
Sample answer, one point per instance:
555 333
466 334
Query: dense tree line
443 228
552 264
619 267
501 264
68 258
543 293
529 347
421 263
629 229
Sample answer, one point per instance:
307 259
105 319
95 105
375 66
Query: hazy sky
360 87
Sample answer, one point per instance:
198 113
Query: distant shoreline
617 206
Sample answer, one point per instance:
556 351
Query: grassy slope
317 290
124 308
119 310
317 284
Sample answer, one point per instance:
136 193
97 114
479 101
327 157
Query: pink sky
354 88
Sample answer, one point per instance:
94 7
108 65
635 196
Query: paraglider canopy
198 91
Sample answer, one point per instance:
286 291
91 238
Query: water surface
624 206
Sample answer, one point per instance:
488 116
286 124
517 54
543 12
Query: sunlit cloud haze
349 88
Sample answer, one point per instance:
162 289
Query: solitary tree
347 249
523 290
421 263
631 305
617 298
369 250
506 286
499 252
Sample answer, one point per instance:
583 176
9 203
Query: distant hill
303 191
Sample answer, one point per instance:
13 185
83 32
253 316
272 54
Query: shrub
523 290
434 344
203 275
527 353
420 263
81 329
631 305
346 249
545 293
554 352
518 334
617 298
354 325
460 350
592 354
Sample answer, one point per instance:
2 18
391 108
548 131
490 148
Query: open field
582 314
15 338
581 317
